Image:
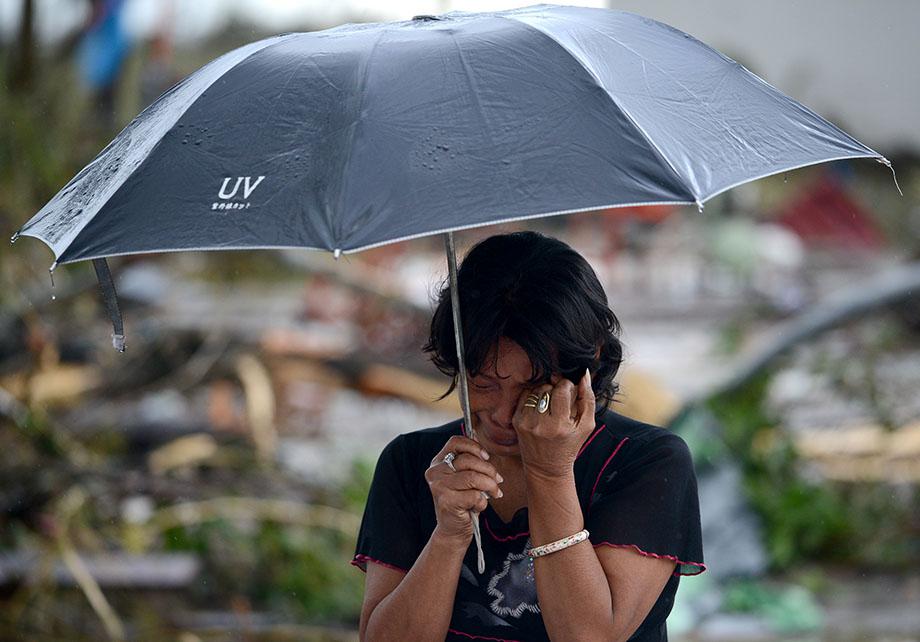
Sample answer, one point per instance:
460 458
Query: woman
588 518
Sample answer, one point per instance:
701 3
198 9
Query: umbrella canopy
366 134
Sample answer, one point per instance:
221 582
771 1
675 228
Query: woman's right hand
457 493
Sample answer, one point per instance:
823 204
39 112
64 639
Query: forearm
420 607
574 593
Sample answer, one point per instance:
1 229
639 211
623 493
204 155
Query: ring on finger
543 403
449 460
540 404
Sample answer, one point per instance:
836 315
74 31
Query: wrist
450 542
559 477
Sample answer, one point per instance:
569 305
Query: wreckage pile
220 463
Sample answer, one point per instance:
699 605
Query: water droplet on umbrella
198 142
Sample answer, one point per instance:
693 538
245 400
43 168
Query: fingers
458 503
472 480
458 445
470 469
469 472
561 398
585 401
471 500
472 462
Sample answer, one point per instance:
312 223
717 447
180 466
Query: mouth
501 437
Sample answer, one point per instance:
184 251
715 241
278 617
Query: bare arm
584 594
393 600
418 605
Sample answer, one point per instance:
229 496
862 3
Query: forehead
508 360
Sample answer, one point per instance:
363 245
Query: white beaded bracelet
558 545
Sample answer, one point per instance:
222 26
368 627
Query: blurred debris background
207 484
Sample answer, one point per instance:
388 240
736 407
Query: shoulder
622 442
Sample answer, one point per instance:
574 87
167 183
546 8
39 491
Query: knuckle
459 440
465 460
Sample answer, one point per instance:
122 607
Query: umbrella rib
474 93
349 148
736 68
655 148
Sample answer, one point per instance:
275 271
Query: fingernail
500 493
483 454
588 372
499 478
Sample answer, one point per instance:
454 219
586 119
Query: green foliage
787 609
802 520
299 571
302 572
807 520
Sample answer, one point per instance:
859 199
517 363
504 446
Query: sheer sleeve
645 498
390 529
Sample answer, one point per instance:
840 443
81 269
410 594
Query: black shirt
636 487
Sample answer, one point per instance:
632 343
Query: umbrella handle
461 378
110 297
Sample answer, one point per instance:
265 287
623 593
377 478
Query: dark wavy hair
541 294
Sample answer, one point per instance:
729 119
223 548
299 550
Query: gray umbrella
362 135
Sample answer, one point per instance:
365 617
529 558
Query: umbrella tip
887 163
699 206
336 253
15 237
118 342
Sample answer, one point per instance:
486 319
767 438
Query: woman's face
494 396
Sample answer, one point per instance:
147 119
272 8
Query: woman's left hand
550 441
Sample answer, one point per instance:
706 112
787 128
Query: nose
503 412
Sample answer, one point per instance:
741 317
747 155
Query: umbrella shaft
458 334
461 383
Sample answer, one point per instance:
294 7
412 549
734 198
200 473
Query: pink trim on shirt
364 559
671 558
604 467
478 637
502 539
590 439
